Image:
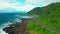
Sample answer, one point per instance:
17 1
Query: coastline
18 26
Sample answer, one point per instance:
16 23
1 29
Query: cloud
40 2
23 5
4 6
32 1
15 2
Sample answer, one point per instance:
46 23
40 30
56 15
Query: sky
7 6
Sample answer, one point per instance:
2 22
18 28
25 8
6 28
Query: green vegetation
49 15
34 27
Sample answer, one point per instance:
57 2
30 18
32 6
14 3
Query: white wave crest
3 26
17 20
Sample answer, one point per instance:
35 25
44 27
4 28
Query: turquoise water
6 18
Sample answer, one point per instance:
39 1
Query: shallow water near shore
6 19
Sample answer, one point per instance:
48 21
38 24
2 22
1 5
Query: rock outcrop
18 28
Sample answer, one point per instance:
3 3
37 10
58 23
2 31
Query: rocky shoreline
18 28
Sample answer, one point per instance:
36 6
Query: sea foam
7 25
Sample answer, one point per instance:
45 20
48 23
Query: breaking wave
7 25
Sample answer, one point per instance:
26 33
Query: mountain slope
49 15
46 9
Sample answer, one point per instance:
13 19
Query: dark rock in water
8 30
17 28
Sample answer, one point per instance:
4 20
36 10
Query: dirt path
46 26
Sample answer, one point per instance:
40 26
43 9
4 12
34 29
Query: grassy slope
37 29
49 15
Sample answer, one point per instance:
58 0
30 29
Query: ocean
6 19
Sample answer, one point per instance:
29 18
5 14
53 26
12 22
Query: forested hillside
48 15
